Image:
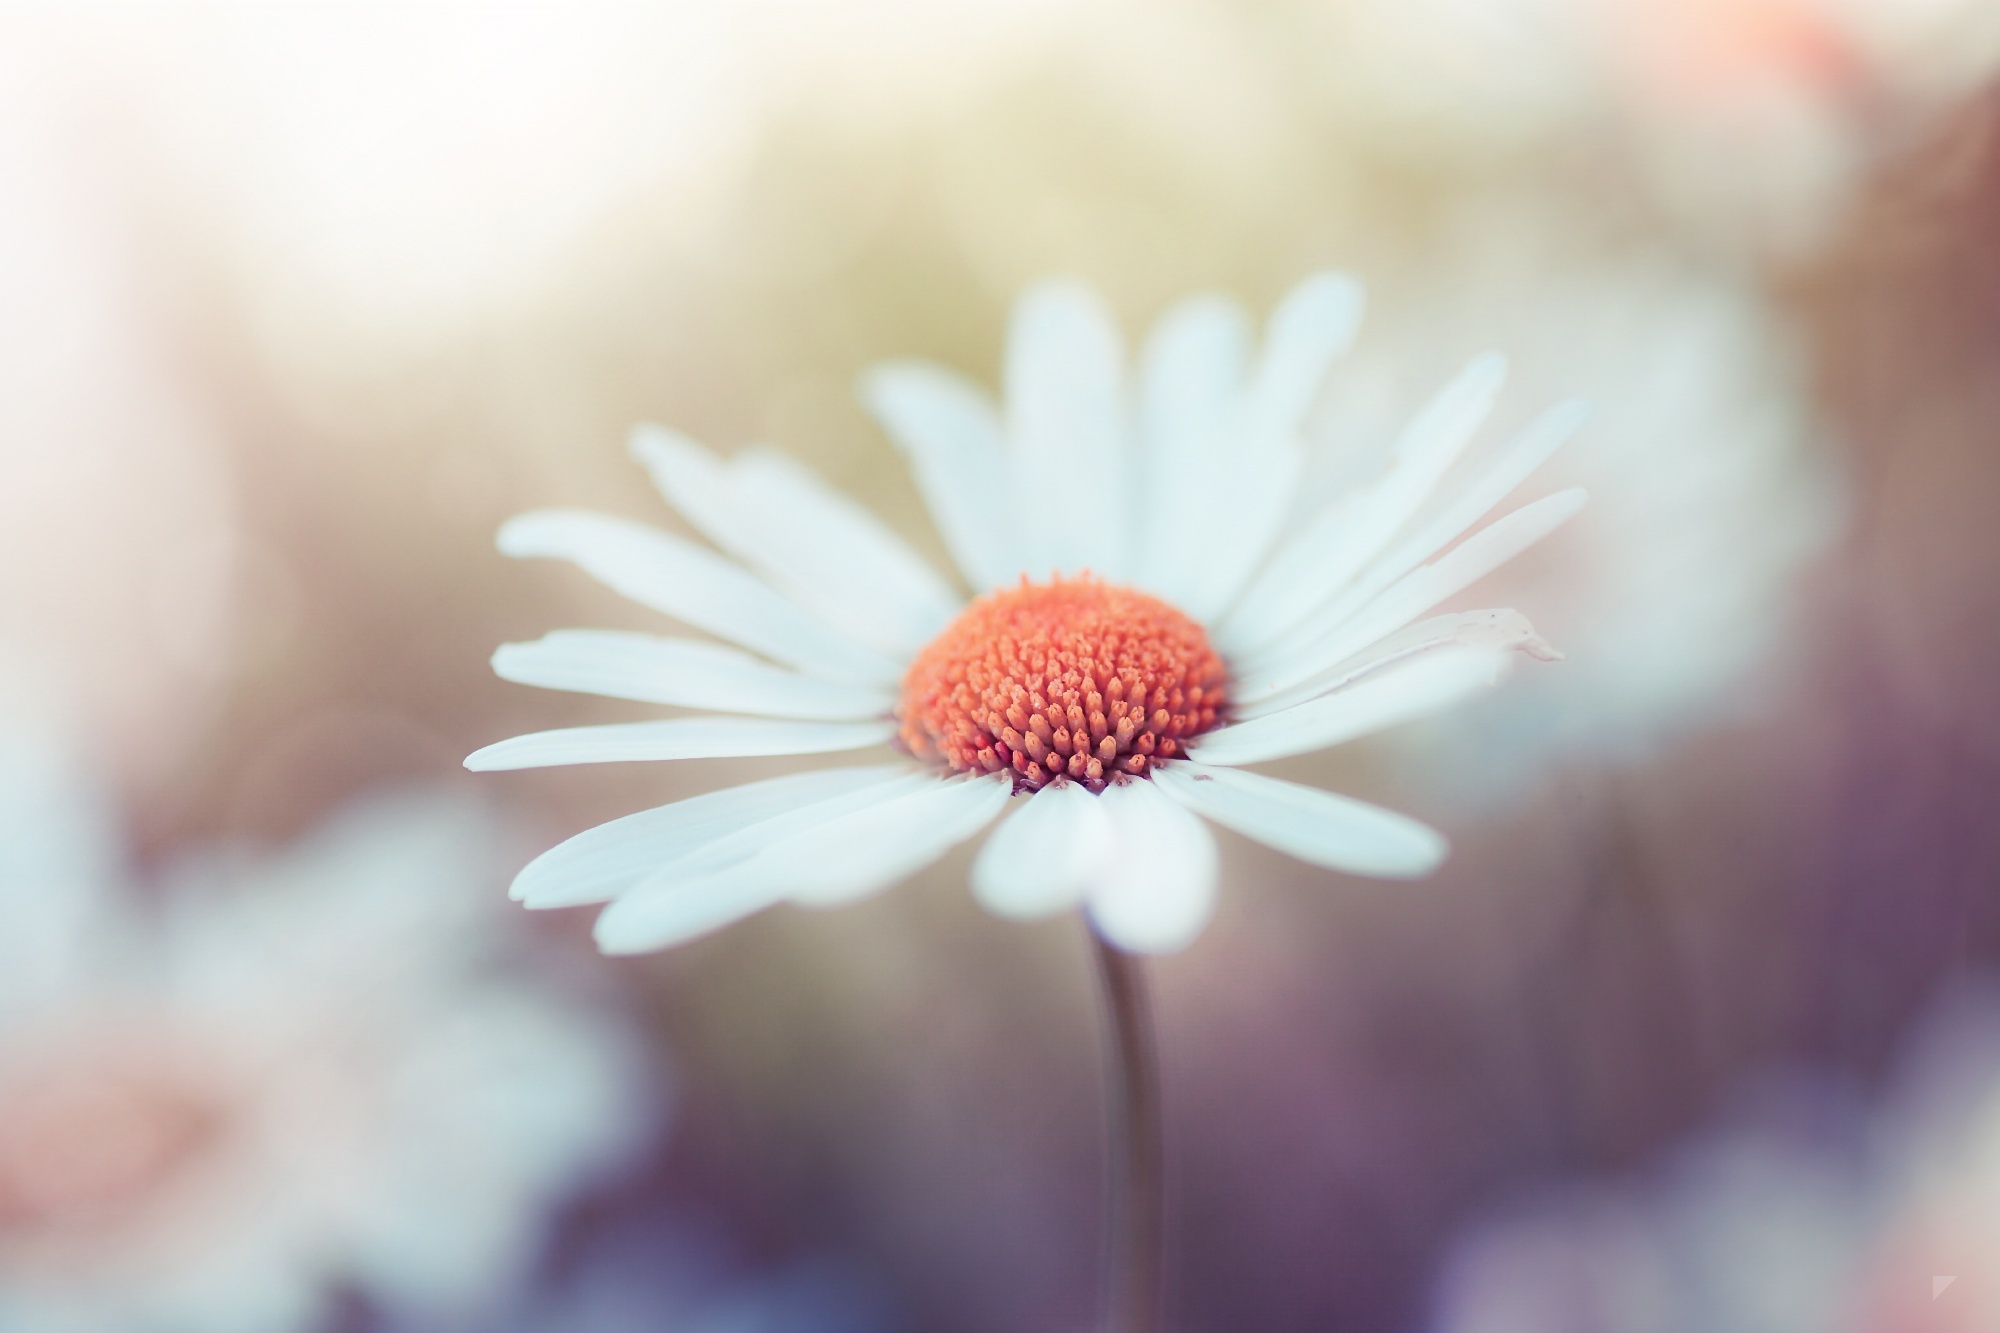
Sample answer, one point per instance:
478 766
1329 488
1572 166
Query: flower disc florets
1072 678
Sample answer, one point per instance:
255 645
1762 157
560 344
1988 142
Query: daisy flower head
1152 614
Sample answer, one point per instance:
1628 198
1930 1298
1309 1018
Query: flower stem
1137 1211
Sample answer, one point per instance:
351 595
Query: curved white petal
685 673
1399 694
1310 329
1513 463
1158 890
715 883
1491 628
1315 826
1044 855
1413 594
827 552
1190 389
1066 427
1253 490
680 912
950 436
869 850
677 738
699 587
602 862
1316 563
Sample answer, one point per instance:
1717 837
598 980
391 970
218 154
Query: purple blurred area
298 303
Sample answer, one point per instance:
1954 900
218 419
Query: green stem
1137 1212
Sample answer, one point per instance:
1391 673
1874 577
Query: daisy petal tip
517 536
1542 650
1488 370
882 382
1146 944
481 760
1332 295
651 444
614 943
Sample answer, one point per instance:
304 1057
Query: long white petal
1491 628
1066 426
828 553
1315 826
699 587
1516 461
950 435
736 851
1251 496
677 738
686 673
1310 329
1158 889
715 883
872 849
1414 594
680 912
1399 694
1190 388
1044 855
1310 568
1511 465
602 862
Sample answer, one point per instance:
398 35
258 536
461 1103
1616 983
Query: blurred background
299 300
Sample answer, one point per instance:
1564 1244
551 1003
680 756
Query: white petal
1311 329
1399 694
1044 855
714 883
696 586
1158 890
1253 492
1414 594
1313 566
1190 389
739 850
602 862
847 858
686 673
677 738
1492 628
947 430
1066 432
1513 464
828 553
680 912
1315 826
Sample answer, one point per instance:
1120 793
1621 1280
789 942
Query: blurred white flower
1709 495
1749 119
275 1078
1184 629
1799 1218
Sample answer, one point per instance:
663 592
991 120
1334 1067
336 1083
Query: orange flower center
1073 678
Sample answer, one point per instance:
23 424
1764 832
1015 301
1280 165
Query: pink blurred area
298 302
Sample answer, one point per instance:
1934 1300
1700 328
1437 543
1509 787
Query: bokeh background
299 300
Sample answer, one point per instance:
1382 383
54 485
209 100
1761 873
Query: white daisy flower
1149 622
278 1079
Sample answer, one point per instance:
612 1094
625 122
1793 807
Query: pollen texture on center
1073 678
